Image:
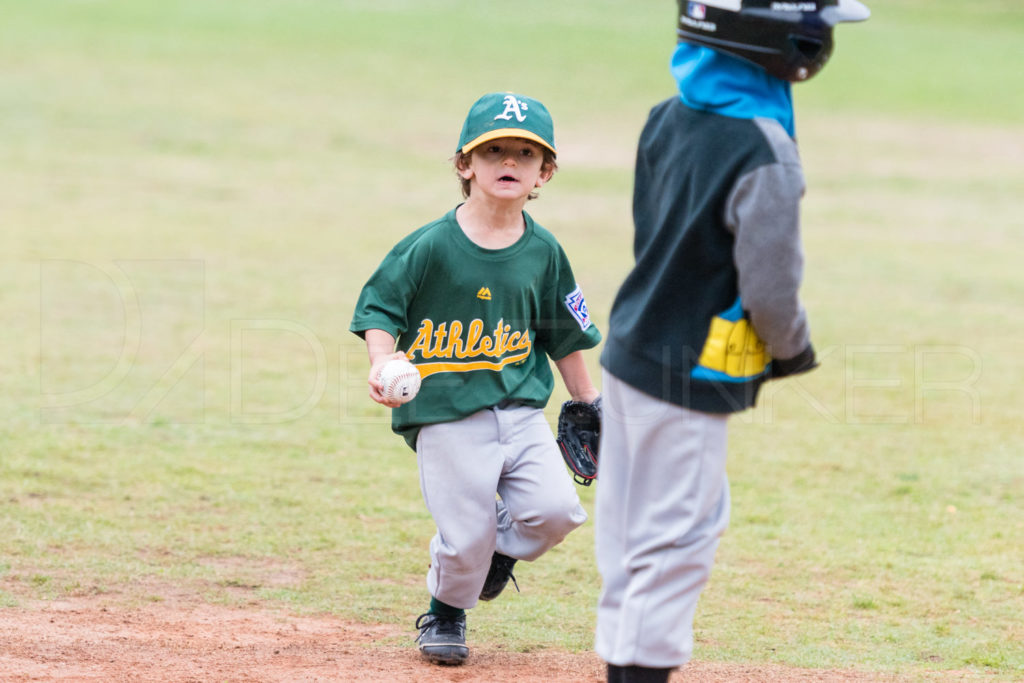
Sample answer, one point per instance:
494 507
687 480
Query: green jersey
480 324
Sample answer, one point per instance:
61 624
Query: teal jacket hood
712 81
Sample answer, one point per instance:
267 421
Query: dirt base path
85 639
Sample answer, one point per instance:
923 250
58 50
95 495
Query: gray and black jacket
713 297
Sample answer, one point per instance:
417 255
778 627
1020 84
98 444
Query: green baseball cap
507 115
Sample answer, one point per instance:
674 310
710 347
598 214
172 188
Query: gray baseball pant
463 464
662 504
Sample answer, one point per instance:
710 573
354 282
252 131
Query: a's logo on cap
696 10
513 107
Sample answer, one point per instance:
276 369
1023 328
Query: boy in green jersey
479 300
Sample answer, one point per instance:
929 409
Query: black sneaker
442 640
498 576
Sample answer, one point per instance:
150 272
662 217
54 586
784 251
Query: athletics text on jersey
480 324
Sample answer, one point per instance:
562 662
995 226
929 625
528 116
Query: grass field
192 193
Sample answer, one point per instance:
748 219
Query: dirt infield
90 639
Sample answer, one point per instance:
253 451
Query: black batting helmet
791 40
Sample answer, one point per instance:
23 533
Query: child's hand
374 379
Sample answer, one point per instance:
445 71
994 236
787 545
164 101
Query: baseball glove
805 361
579 429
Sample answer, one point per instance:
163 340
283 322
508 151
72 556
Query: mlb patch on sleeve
578 307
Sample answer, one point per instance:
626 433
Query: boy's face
506 168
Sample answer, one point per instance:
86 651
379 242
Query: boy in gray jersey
710 311
479 300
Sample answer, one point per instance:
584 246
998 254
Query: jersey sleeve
565 325
383 303
764 214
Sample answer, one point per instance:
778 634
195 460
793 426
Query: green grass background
192 193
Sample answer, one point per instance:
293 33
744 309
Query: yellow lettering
476 330
446 342
422 343
439 338
487 346
455 347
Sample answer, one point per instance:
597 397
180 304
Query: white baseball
400 380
